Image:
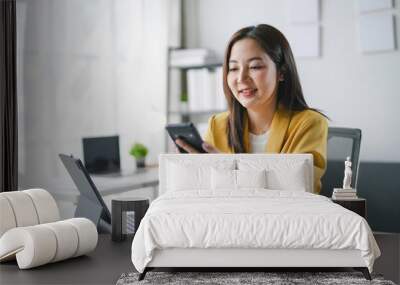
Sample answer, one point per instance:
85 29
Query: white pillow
236 179
282 174
188 175
223 179
293 179
251 178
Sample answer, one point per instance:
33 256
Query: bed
247 210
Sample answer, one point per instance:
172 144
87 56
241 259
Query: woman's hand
210 148
206 146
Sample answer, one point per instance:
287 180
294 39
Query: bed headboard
276 162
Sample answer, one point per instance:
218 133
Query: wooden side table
123 210
358 206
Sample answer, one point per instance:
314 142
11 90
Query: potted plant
139 152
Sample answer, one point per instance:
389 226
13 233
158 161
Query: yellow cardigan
301 132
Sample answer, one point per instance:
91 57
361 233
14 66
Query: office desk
108 185
140 184
113 185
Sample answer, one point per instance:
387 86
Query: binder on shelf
205 92
209 90
194 86
174 102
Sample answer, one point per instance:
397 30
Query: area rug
229 278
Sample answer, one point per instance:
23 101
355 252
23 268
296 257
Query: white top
259 142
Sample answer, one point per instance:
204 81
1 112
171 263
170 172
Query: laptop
101 155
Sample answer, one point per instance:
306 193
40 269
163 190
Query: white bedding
251 218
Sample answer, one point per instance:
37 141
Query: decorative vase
141 162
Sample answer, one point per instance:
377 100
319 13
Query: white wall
97 67
88 68
353 89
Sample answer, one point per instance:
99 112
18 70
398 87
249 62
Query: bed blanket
251 218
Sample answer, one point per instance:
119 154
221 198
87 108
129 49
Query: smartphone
188 133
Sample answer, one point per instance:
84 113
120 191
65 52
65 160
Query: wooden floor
110 260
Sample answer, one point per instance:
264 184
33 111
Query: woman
267 110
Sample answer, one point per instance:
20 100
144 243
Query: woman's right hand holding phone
206 146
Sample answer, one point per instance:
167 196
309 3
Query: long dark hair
289 93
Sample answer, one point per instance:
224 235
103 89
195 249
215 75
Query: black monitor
101 154
90 204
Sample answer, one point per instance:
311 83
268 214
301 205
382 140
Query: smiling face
252 76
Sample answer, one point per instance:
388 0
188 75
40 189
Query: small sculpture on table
347 192
347 174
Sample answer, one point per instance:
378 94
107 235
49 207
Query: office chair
342 142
